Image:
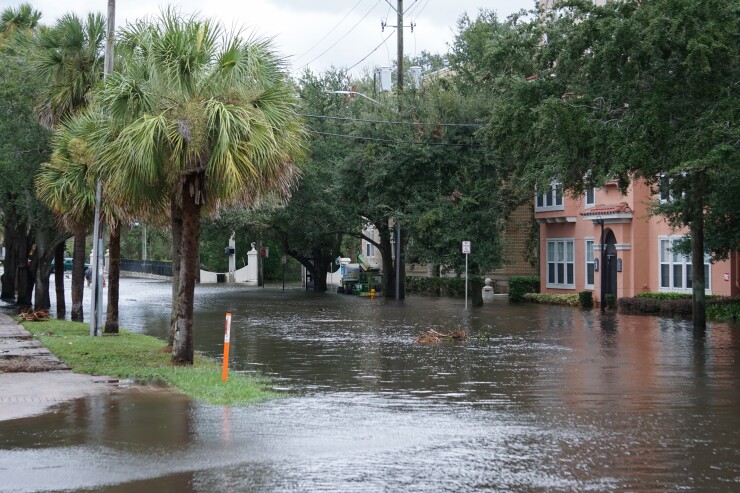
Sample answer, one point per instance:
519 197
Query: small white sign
466 247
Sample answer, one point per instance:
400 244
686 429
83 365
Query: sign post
227 341
466 251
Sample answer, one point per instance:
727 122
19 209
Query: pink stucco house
638 256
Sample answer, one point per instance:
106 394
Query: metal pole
603 267
466 281
398 261
96 300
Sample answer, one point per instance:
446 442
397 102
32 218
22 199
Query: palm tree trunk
114 277
59 281
78 276
182 349
12 255
176 214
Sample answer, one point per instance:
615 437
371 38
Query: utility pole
96 302
399 54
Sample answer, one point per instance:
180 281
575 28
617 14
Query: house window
590 264
560 264
551 200
590 197
369 250
676 269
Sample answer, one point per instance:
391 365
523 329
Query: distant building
638 255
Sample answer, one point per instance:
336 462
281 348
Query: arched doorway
610 263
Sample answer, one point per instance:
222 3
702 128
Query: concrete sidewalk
33 379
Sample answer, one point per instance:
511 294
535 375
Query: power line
373 51
392 141
390 122
330 31
344 36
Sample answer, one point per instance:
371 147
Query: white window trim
671 289
553 192
565 271
586 285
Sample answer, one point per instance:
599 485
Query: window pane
558 194
569 251
678 276
550 251
590 273
561 273
589 251
706 276
665 247
548 199
561 251
665 279
569 271
540 200
551 273
689 276
590 196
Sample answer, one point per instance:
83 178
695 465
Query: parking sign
466 247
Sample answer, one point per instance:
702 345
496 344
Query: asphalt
33 380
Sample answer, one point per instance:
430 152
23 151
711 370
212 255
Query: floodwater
538 398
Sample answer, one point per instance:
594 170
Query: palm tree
70 56
22 18
205 115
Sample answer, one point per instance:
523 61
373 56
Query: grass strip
143 357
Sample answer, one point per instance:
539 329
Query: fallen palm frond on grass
40 315
432 336
140 357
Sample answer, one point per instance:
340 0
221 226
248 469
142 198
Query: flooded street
538 398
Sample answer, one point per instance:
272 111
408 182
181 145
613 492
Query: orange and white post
227 338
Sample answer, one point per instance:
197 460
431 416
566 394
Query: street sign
466 247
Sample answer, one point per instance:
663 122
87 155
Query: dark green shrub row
552 299
438 286
586 299
717 308
520 285
670 296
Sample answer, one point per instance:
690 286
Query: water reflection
539 398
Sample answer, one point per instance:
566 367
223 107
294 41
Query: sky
316 34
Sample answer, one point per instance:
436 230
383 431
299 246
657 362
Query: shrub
552 299
680 307
724 309
586 299
438 286
520 285
611 300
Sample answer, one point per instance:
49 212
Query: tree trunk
402 265
78 276
11 263
59 281
25 273
319 272
42 300
182 349
476 291
176 214
114 278
698 304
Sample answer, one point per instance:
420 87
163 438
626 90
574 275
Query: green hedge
678 306
552 299
520 285
438 286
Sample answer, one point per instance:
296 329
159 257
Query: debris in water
432 336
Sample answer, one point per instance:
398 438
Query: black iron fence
154 267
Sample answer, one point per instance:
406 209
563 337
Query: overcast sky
314 33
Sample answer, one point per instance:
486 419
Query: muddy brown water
539 398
